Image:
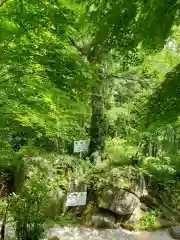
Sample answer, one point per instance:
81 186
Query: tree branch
28 73
6 45
122 77
6 80
77 47
2 3
4 74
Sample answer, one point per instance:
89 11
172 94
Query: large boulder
139 187
103 220
175 232
119 201
136 215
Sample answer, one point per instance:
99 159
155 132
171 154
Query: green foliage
88 213
45 82
112 29
120 151
163 104
62 62
3 207
161 171
27 208
148 221
35 93
61 220
105 176
174 192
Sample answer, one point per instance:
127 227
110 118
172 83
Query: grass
62 220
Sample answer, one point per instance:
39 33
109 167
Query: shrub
27 209
120 151
156 167
3 207
148 221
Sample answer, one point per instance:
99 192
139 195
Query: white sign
76 199
81 146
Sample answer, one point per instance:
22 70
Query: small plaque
76 199
81 146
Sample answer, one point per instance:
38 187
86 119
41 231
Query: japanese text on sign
76 199
81 146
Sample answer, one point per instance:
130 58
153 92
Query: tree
162 104
43 79
38 43
121 29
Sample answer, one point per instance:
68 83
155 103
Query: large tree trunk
98 123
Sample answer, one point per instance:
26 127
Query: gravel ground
82 233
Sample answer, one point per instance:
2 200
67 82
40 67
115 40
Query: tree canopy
106 71
61 62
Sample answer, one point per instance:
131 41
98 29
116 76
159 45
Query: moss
88 213
3 206
53 238
63 221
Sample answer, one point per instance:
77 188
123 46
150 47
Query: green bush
120 151
161 171
27 208
3 207
148 221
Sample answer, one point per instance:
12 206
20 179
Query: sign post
77 193
81 146
76 199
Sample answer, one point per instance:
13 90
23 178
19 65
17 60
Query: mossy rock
88 213
104 221
53 238
118 201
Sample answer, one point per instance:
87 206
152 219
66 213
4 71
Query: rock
175 232
136 215
96 157
118 201
144 207
103 220
140 187
88 213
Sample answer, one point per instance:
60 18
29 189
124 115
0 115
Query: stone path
82 233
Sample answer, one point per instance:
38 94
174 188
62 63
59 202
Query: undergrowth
62 220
